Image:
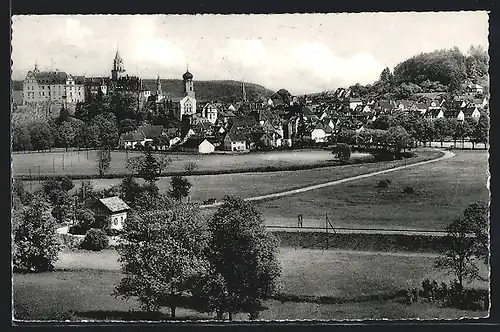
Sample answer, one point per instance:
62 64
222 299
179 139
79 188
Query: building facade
52 86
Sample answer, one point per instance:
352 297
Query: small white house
321 133
355 102
112 211
472 112
198 145
235 141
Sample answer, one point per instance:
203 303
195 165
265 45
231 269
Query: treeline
401 130
439 71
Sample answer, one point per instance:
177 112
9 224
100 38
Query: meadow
83 282
254 184
442 191
84 162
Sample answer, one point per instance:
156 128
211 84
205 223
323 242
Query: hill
224 90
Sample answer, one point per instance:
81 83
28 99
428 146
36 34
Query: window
115 221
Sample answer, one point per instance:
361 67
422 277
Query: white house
355 102
321 133
434 113
475 88
367 109
112 212
454 114
235 141
198 145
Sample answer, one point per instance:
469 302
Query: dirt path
447 155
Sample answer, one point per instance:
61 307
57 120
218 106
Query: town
168 198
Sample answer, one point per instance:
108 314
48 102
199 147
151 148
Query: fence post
54 165
38 173
30 181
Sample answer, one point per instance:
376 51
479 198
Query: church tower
118 68
188 83
159 93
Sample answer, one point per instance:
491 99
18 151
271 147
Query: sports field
442 191
84 163
351 277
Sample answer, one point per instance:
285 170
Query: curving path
447 155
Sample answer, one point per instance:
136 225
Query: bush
95 239
411 295
113 232
383 183
408 190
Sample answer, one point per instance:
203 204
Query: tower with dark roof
188 83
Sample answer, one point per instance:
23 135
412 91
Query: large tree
243 260
180 187
41 136
150 169
21 139
480 134
442 129
466 244
35 242
162 256
103 161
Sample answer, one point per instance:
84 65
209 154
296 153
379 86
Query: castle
52 86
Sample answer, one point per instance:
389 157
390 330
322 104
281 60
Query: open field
84 163
443 191
254 184
348 276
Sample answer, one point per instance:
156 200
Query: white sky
299 52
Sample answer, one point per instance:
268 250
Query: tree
63 204
127 125
66 183
469 126
41 136
107 130
85 218
476 215
442 129
343 152
63 115
163 162
149 169
464 248
398 138
180 187
130 190
480 133
103 161
424 130
67 134
36 245
243 259
21 139
162 256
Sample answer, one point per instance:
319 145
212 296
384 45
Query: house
111 212
320 133
434 113
197 145
475 89
403 105
434 104
226 116
260 140
479 102
209 111
367 108
354 102
235 141
472 112
418 107
457 114
130 140
385 105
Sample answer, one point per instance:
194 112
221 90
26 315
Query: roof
151 131
469 110
187 75
133 136
114 204
236 136
244 121
307 111
355 100
433 112
50 77
193 142
451 113
478 101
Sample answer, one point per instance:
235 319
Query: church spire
158 86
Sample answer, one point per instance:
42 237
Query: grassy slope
314 272
254 184
443 190
83 162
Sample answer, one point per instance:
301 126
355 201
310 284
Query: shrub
411 295
383 183
113 232
95 239
408 190
191 166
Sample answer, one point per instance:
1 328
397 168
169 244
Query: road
447 155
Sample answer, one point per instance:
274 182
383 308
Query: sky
302 53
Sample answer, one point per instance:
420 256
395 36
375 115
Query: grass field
82 162
339 274
443 191
254 184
